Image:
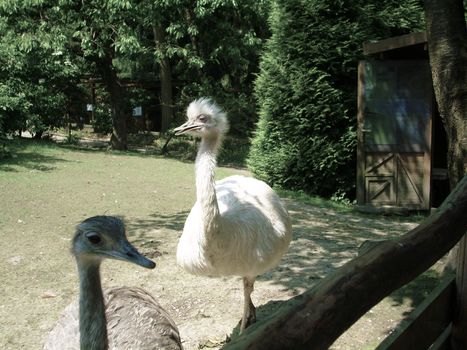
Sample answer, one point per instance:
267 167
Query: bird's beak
127 252
188 126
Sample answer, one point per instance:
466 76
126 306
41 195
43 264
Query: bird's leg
249 310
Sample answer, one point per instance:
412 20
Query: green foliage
240 106
35 71
4 149
71 139
102 122
233 152
213 47
306 89
48 45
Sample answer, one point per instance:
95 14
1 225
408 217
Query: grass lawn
45 190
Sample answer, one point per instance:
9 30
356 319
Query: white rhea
119 318
239 225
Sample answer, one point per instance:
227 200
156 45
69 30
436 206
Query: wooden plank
414 148
427 158
380 190
360 135
316 318
459 333
427 322
379 163
408 180
443 341
397 42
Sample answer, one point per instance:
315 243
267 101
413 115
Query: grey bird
121 318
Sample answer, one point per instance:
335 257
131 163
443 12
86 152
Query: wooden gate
394 129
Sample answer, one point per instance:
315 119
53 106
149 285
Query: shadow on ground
173 222
140 231
323 240
31 161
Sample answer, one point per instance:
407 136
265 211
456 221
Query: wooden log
316 318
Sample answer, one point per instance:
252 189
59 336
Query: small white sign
137 111
89 107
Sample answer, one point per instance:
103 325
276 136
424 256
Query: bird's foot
248 319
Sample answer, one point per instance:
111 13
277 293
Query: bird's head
205 119
101 237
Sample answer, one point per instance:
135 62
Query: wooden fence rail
427 323
316 318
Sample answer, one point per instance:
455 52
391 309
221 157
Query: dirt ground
207 310
39 277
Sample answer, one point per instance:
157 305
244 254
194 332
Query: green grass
315 200
232 154
50 170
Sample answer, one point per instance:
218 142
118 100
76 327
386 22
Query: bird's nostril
130 254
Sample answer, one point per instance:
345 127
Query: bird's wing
135 320
65 334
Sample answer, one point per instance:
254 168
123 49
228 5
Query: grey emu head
101 237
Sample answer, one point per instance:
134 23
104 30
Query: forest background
284 70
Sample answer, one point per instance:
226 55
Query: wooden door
394 131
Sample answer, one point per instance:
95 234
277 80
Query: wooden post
459 329
360 136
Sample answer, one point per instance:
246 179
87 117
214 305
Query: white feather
255 231
238 226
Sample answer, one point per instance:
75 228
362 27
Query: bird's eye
202 118
93 237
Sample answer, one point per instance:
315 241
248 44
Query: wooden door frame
360 135
361 155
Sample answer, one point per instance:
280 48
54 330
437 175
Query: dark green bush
4 150
306 90
102 122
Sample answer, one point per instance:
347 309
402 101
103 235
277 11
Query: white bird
121 318
239 225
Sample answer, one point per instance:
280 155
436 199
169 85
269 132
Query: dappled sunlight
325 239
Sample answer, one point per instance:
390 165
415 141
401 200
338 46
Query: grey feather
135 320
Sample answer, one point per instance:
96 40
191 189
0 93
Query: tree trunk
166 80
447 47
118 140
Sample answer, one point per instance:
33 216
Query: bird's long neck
92 321
205 184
